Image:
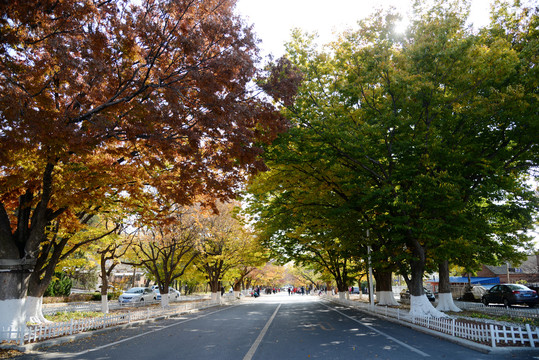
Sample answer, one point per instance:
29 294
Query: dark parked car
405 294
509 294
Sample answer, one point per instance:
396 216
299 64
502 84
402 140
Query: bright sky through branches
273 20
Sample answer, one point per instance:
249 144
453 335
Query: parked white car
137 294
173 294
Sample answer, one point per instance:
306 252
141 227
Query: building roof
497 270
528 266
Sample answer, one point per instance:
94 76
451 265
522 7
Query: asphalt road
270 327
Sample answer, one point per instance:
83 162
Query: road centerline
258 340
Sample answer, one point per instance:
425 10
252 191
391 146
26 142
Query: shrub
59 286
110 296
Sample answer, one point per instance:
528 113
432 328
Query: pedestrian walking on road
289 291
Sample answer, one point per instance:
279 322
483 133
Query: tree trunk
164 298
14 279
18 251
36 288
104 287
417 268
419 304
359 286
34 310
215 291
215 297
445 299
384 288
104 304
341 284
237 288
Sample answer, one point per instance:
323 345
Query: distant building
126 276
528 271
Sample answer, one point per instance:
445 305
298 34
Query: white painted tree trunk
104 304
342 295
348 295
34 310
215 297
164 300
446 303
12 316
236 294
421 306
386 298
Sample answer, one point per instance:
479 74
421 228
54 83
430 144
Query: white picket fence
25 334
492 335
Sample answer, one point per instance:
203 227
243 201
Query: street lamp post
371 291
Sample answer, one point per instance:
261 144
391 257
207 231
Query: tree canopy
427 138
106 102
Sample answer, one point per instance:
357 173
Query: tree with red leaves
107 102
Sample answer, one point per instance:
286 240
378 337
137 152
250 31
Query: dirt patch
9 353
67 299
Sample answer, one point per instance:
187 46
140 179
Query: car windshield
134 291
517 287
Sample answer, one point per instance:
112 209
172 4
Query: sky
274 19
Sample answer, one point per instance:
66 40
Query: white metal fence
113 305
24 334
514 312
493 335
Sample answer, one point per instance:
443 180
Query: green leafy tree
432 133
59 286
